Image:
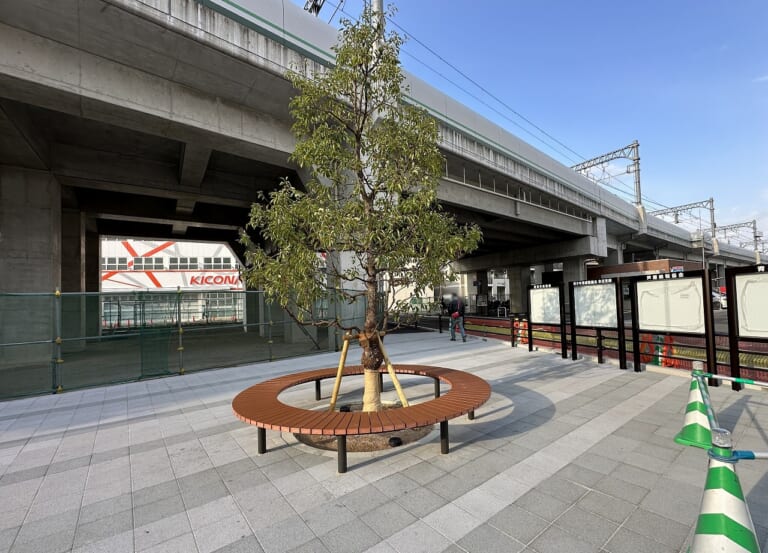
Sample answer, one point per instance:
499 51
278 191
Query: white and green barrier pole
734 379
699 417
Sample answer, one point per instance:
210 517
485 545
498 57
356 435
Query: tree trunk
372 357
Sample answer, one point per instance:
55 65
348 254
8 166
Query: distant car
719 301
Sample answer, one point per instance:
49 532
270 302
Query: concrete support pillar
30 250
92 262
615 257
574 269
481 277
30 231
519 280
72 250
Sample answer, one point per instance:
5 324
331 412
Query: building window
114 263
147 263
217 263
183 263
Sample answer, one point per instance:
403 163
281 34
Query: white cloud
761 79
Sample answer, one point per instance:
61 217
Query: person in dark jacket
456 313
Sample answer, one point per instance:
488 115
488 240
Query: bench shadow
498 422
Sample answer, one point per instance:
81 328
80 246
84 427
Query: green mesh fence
54 342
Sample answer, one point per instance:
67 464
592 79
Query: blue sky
687 78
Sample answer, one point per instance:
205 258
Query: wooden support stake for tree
339 373
392 373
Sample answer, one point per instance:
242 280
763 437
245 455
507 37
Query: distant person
456 312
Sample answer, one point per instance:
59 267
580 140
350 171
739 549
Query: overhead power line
630 192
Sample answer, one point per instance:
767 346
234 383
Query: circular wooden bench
259 405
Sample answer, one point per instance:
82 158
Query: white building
132 265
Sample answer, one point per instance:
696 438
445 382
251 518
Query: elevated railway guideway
166 118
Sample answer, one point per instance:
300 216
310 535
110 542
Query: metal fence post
269 336
57 361
180 348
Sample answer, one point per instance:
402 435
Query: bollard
724 522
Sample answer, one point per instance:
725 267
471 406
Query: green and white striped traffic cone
696 429
724 525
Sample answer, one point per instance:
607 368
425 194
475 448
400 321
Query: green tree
372 199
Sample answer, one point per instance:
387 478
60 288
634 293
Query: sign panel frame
552 290
707 330
617 309
735 335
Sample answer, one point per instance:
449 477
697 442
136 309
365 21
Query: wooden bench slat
260 405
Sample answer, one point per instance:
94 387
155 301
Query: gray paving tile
146 514
518 523
155 493
120 543
314 546
423 472
580 475
6 538
557 540
104 527
59 542
221 533
587 526
194 497
487 539
658 528
451 486
626 541
635 475
309 497
395 485
352 537
108 507
364 499
607 506
543 505
245 545
388 519
285 535
418 538
325 518
595 462
184 543
621 489
162 530
421 501
31 530
561 489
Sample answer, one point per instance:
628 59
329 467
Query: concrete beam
176 223
559 251
21 143
193 162
86 168
476 199
50 74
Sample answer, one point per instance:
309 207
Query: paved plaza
567 457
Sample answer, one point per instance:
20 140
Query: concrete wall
30 231
30 261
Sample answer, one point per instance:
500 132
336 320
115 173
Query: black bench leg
317 390
471 415
437 387
341 447
381 382
444 437
261 439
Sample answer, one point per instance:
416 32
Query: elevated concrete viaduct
166 118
